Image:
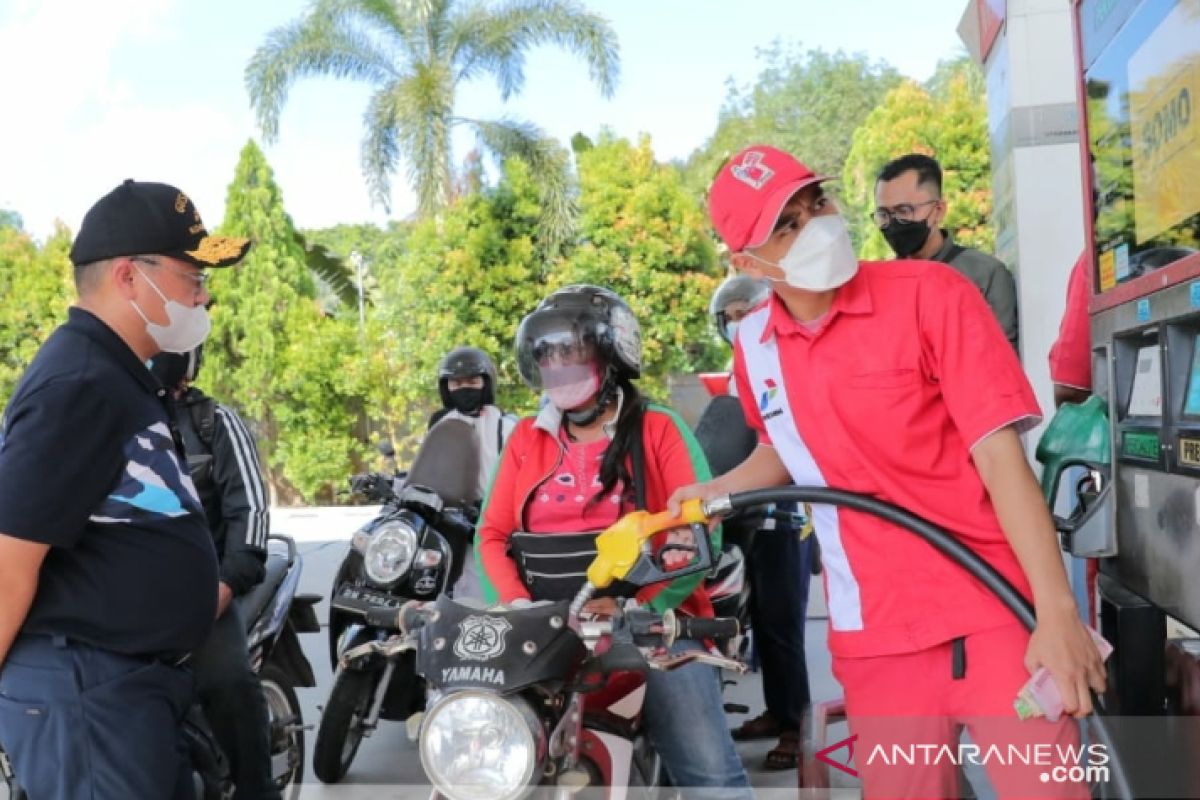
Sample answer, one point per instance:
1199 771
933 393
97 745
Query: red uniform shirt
1071 355
887 396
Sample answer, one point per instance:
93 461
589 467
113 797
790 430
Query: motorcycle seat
253 602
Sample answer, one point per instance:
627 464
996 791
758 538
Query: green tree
645 236
39 287
274 354
806 102
377 250
467 277
415 55
471 274
948 123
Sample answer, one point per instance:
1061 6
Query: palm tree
415 53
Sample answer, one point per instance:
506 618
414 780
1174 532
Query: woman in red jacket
576 468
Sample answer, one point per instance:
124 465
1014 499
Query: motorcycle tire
287 727
340 732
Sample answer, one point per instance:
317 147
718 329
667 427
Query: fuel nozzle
585 593
626 543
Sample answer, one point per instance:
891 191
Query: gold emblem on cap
215 249
181 203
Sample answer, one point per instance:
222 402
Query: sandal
763 726
786 754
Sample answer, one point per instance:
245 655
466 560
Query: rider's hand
224 598
1061 643
601 607
705 491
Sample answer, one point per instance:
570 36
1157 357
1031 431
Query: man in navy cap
108 577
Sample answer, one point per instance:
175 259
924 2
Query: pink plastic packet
1039 697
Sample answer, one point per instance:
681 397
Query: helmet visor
548 343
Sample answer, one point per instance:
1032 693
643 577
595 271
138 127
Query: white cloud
58 55
83 119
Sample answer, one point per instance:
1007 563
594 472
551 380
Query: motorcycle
542 694
275 616
413 549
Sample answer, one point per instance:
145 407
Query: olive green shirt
991 276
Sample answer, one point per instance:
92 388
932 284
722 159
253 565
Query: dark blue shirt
89 466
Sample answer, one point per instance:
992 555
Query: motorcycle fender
302 615
289 656
613 755
354 635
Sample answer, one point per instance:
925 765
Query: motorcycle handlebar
384 618
408 618
706 628
375 486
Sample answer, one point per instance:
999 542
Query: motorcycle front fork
385 680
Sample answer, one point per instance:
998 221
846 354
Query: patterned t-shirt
566 501
89 466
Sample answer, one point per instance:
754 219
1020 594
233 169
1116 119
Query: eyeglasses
902 213
200 279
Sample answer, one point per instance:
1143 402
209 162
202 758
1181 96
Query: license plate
359 599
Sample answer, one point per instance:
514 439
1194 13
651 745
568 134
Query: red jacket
1071 355
532 454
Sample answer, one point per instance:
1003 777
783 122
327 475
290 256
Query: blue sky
99 91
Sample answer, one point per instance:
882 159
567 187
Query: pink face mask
571 386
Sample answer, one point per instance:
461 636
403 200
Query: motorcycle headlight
390 552
478 746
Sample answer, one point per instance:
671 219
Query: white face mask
570 387
731 330
821 258
186 328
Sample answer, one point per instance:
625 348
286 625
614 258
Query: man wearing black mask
909 212
467 387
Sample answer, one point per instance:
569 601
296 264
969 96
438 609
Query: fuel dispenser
1139 81
1139 436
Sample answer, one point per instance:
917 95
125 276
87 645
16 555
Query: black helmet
467 362
584 319
171 369
739 288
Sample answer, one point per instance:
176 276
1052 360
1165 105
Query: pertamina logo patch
752 171
766 398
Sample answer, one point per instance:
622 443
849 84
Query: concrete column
1036 185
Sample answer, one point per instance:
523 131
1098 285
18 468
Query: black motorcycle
542 694
275 616
413 550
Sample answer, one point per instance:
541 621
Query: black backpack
204 419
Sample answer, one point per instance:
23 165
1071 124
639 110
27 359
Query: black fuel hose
947 545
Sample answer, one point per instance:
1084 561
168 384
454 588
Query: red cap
751 190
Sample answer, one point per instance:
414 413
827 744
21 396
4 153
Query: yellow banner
1164 83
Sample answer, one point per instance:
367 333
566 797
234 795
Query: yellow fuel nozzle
620 546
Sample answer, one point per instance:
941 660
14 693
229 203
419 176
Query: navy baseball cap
138 218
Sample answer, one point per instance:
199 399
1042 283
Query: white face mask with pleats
186 328
821 258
